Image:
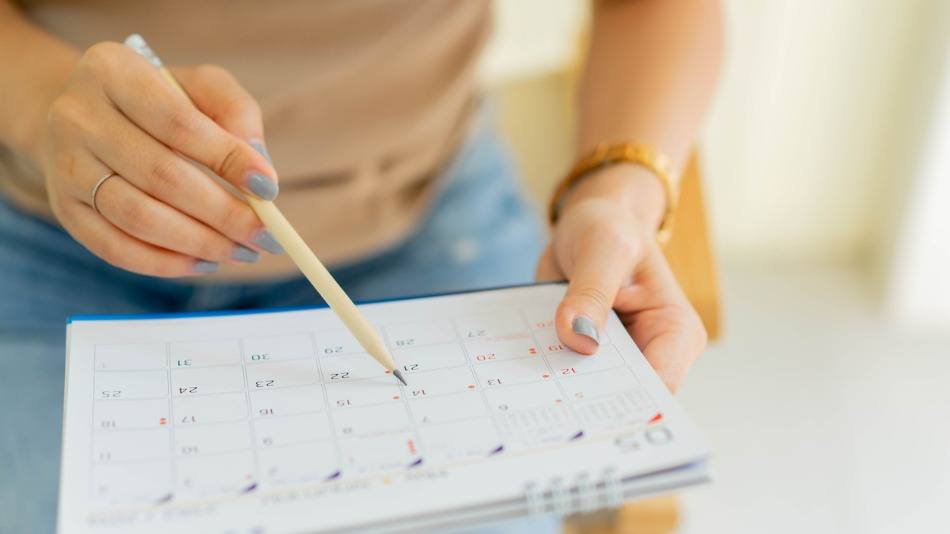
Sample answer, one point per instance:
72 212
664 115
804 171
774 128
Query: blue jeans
480 232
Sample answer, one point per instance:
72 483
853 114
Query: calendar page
279 422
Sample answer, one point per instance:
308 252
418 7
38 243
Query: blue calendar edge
257 311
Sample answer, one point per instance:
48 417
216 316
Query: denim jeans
479 232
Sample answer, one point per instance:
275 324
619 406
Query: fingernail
266 241
261 149
203 266
262 186
585 326
244 254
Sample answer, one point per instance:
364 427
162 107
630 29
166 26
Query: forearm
650 75
34 67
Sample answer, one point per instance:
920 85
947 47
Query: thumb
547 269
598 274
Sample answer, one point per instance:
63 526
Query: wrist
630 186
37 67
30 134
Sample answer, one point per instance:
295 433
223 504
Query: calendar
265 422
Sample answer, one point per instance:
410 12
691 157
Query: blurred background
826 164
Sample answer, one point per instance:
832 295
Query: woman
387 167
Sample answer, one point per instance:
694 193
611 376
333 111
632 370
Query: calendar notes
288 401
617 411
388 452
282 374
337 370
507 373
550 344
190 410
277 348
441 382
345 394
567 362
291 430
130 445
416 334
212 439
151 413
476 438
130 357
540 317
213 475
545 424
150 483
121 385
429 358
281 422
528 396
309 462
599 384
338 342
483 350
378 419
207 380
496 325
205 353
442 410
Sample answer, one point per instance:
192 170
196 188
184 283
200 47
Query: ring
95 189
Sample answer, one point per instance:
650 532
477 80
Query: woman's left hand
606 246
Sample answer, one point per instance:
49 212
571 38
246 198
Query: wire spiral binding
582 494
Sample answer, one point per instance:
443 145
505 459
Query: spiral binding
582 494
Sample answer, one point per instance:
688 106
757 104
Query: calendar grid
250 414
494 358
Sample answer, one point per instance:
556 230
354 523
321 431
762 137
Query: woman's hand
160 215
605 244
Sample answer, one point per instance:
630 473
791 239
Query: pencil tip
398 374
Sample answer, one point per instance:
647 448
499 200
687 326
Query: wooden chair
690 255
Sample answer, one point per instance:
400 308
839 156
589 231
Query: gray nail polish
203 266
261 149
262 186
244 254
585 326
266 241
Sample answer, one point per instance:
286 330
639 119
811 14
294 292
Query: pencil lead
398 374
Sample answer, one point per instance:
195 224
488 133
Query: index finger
153 103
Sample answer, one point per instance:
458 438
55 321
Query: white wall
798 146
916 260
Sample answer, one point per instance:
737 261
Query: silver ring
95 188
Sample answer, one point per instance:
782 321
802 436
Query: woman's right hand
161 215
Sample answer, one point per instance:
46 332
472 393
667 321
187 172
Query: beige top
363 100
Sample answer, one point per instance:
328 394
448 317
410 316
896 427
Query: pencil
299 252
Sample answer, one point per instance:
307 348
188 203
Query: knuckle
103 57
133 215
243 106
164 178
65 163
236 218
182 124
229 159
594 295
65 114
